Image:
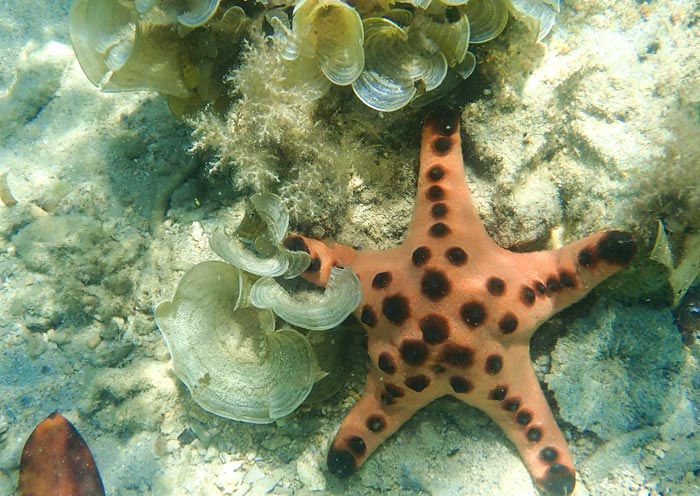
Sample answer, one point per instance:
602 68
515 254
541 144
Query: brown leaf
56 461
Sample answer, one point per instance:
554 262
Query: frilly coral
228 354
391 55
221 333
256 243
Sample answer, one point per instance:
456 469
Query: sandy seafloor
112 208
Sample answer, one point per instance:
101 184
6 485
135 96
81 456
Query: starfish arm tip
323 257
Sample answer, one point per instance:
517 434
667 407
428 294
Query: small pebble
93 341
37 212
211 453
254 474
275 442
310 474
57 337
317 232
230 476
197 231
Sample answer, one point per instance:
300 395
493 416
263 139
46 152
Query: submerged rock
618 370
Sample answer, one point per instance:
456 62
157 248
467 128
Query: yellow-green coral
391 55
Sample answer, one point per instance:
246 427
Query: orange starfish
451 312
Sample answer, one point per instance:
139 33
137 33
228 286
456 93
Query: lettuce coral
391 53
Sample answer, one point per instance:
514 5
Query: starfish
449 312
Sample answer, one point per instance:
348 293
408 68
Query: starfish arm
372 420
444 204
553 280
514 400
589 261
323 257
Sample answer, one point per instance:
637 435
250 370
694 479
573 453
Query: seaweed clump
161 46
669 197
390 54
670 191
273 138
220 324
251 74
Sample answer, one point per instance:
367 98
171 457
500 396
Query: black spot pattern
496 286
341 463
511 405
494 364
438 211
376 423
456 355
439 230
559 480
413 352
527 295
534 434
617 247
540 287
437 368
435 193
549 454
567 279
381 280
357 445
393 390
417 382
435 285
368 316
435 328
296 243
553 283
442 145
523 417
445 120
460 384
386 363
498 393
314 266
436 173
473 313
420 256
456 256
586 257
508 323
395 308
